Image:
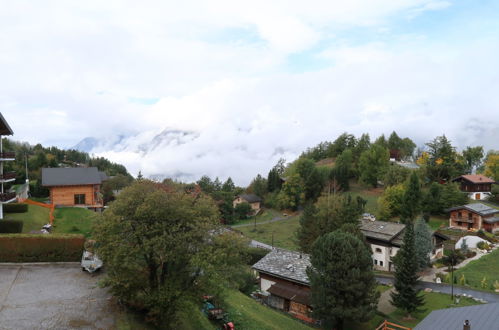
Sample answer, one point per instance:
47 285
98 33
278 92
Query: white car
90 262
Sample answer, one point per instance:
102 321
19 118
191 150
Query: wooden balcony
7 197
7 155
457 219
7 176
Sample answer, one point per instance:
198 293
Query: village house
474 217
386 239
5 177
477 186
253 200
284 282
76 186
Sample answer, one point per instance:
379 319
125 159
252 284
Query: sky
226 88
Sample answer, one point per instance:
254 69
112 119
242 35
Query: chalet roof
382 230
250 198
4 126
475 178
480 316
285 264
71 176
491 220
290 292
478 208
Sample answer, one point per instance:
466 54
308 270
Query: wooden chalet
253 200
477 186
284 282
76 186
474 217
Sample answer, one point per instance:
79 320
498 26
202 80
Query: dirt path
384 304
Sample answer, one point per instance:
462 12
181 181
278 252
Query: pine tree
342 280
412 198
406 296
422 243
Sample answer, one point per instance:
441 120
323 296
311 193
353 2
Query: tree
312 180
391 202
228 185
258 186
395 174
394 142
407 148
492 165
344 141
473 158
406 296
291 194
206 184
441 164
452 196
422 243
242 210
372 164
412 198
431 203
327 215
153 241
342 280
343 169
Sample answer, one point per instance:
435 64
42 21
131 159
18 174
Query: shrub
15 208
41 247
483 283
462 280
483 246
11 226
496 285
255 254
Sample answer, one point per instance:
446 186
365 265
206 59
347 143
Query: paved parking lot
53 296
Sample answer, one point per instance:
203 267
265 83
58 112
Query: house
76 186
474 217
284 282
475 317
253 200
5 156
386 238
477 186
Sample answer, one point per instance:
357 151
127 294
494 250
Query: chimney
467 325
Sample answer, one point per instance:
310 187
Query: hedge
15 208
41 247
11 226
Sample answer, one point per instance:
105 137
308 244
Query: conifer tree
422 243
412 198
342 280
406 296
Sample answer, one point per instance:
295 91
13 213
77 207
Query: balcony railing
7 154
8 176
462 219
7 197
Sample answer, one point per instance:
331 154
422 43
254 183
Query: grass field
436 222
246 313
369 194
283 233
486 267
34 219
74 220
266 215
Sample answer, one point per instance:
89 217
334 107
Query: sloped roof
285 264
381 230
475 178
478 208
4 126
480 316
290 292
72 176
251 198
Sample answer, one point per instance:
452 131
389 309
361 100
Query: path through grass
486 267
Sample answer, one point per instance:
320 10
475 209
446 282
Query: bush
483 245
255 254
11 226
41 247
15 208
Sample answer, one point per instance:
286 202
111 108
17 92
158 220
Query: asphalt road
52 296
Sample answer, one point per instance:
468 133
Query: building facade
474 217
5 177
477 186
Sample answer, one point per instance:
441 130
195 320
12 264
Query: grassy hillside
369 194
74 220
34 219
283 232
486 267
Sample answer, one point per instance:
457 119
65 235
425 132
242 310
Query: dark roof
478 208
251 198
491 220
4 126
475 178
382 230
290 292
285 264
480 316
72 176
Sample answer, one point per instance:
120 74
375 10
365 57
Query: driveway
53 296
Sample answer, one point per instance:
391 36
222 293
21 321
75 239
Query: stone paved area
52 296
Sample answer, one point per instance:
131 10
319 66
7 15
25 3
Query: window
381 263
470 216
375 261
459 215
378 250
79 199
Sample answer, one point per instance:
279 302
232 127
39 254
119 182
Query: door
477 196
470 226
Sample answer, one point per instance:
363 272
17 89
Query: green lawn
369 194
474 272
34 219
436 222
266 215
283 232
74 220
246 313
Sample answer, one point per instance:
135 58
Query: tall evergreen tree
342 280
406 296
422 243
412 198
228 185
